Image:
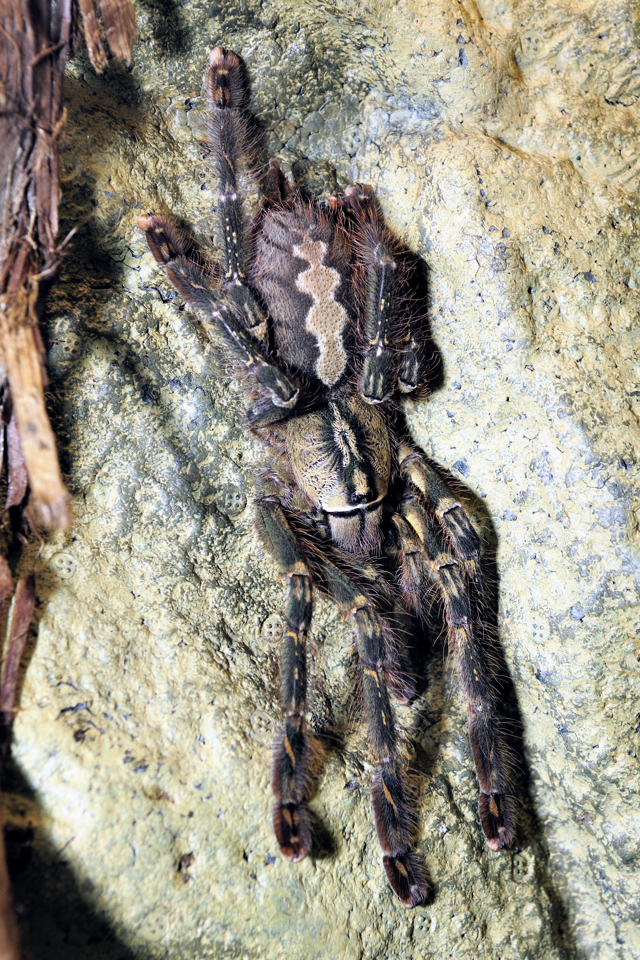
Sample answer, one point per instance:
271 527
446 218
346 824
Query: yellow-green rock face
502 139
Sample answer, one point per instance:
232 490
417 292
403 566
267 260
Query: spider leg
441 501
376 263
412 362
423 558
230 143
291 750
238 343
277 188
404 871
397 666
393 353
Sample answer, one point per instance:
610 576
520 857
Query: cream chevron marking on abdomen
326 319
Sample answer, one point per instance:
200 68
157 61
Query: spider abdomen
302 271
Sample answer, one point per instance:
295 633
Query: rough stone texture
502 139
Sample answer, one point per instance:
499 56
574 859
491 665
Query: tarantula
312 305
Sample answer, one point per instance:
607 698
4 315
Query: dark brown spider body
341 458
322 332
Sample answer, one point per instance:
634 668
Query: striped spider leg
403 868
231 308
439 545
392 355
289 771
376 276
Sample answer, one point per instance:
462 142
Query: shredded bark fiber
36 40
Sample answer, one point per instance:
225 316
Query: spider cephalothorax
341 458
313 307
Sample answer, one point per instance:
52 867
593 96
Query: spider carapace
313 306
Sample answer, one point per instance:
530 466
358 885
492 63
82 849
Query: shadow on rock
57 919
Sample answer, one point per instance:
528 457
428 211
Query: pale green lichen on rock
502 141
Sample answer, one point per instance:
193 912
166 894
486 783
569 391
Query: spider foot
226 88
497 819
407 879
293 831
162 238
404 870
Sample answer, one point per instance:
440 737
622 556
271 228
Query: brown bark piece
23 603
6 582
92 35
48 494
34 45
119 26
17 468
33 52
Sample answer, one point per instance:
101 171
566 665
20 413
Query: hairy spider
313 306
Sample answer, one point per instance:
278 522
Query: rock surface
502 139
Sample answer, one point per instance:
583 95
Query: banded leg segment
376 259
277 188
423 558
393 350
290 762
404 870
239 344
230 144
411 369
440 500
